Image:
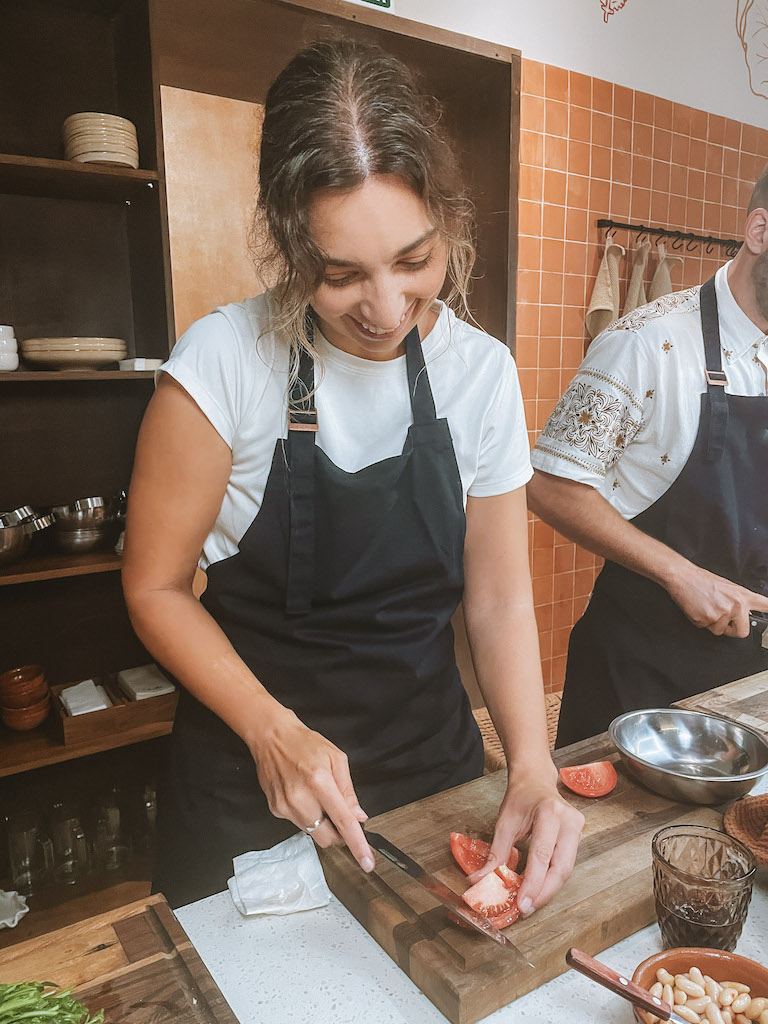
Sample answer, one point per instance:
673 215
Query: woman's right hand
306 778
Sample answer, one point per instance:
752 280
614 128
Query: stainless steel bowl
77 530
690 756
15 537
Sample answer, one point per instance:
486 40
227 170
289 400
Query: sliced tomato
471 854
596 779
494 899
509 877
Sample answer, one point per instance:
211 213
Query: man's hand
713 603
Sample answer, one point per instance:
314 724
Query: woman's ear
756 231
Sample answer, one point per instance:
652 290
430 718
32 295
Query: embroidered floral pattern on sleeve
685 301
594 422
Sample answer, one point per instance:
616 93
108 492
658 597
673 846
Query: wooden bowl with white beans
706 986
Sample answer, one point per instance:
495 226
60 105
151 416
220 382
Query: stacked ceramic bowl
25 698
9 349
92 138
73 353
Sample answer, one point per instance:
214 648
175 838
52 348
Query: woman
350 458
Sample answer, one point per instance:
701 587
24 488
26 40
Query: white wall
689 51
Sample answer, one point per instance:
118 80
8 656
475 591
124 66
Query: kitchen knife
622 986
759 621
446 896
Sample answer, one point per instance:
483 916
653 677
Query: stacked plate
9 349
73 353
91 138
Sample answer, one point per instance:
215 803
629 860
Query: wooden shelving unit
53 567
66 179
67 376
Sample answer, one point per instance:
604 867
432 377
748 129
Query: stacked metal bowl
88 523
17 528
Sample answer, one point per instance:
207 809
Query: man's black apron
339 600
634 647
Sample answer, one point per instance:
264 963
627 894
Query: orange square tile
563 610
556 118
542 590
732 134
602 96
552 252
641 172
660 176
678 179
576 224
563 588
531 183
731 221
529 217
565 556
579 154
731 163
544 616
528 317
528 377
716 129
532 113
663 113
551 322
694 213
566 377
551 288
662 144
545 645
575 258
699 124
574 284
600 166
762 144
549 353
560 640
554 187
528 286
529 257
548 384
527 356
677 212
642 140
659 208
558 673
623 102
532 77
622 134
584 582
695 183
681 119
580 90
681 149
542 562
602 128
640 204
713 159
580 124
532 148
555 83
621 169
730 191
555 153
599 195
573 324
546 674
543 534
712 217
584 559
573 348
577 191
579 605
620 201
713 187
749 137
644 103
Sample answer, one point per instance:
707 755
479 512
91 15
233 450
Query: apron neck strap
716 378
419 388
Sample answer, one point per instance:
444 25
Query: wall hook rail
687 239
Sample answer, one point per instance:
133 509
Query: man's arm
580 513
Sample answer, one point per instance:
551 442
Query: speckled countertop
324 966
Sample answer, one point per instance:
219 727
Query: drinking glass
29 852
111 840
702 884
70 845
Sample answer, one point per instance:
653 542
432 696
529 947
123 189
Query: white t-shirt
238 376
628 421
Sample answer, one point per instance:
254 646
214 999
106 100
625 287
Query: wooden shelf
65 376
24 751
65 179
52 567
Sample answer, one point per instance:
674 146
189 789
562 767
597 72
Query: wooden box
124 716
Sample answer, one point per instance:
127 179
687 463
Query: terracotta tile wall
591 149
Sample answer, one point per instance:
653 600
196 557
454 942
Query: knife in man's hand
446 896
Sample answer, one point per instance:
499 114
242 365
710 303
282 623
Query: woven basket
747 821
494 752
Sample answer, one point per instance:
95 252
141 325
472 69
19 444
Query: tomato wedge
495 896
596 779
471 854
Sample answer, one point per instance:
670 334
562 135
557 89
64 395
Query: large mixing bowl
16 534
690 756
87 524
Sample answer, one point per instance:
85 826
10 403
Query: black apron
339 600
634 647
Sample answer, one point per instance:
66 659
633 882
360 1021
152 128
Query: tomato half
471 854
495 898
596 779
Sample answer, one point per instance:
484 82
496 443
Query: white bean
728 996
681 998
689 1015
740 1000
741 1019
735 984
763 1018
689 987
695 975
713 1014
698 1005
656 989
668 995
727 1015
756 1007
711 987
664 976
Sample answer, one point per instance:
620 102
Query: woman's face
385 266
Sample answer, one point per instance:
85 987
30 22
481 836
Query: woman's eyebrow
426 237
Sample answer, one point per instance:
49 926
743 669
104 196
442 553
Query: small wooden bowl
22 686
717 963
23 719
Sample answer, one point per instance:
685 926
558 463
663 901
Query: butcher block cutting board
745 701
466 975
136 963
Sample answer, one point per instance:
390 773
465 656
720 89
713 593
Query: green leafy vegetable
30 1003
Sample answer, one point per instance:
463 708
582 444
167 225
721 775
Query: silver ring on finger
309 829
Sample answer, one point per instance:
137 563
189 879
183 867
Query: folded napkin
282 880
84 697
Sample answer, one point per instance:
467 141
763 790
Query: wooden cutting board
467 976
136 963
745 701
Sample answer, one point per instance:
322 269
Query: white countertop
324 966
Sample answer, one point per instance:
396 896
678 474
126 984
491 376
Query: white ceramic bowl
6 332
8 346
8 361
107 158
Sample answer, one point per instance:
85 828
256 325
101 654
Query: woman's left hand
533 807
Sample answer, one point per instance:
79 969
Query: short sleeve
602 411
504 462
208 363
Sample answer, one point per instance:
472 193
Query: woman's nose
383 307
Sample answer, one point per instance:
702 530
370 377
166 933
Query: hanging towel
604 304
636 288
662 277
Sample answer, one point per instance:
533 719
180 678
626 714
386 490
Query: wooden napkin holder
125 715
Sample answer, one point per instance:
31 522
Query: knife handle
617 983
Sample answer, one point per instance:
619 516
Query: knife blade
759 621
441 892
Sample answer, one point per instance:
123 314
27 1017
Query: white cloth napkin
83 697
282 880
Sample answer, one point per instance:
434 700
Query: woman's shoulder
237 331
471 346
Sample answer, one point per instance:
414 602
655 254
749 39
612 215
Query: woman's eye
339 282
413 265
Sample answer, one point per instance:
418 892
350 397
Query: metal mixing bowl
78 529
690 756
16 534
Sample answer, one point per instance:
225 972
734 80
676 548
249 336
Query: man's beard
760 283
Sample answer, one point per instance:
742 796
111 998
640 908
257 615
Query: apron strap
419 388
716 378
302 427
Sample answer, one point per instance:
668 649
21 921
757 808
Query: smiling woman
350 457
